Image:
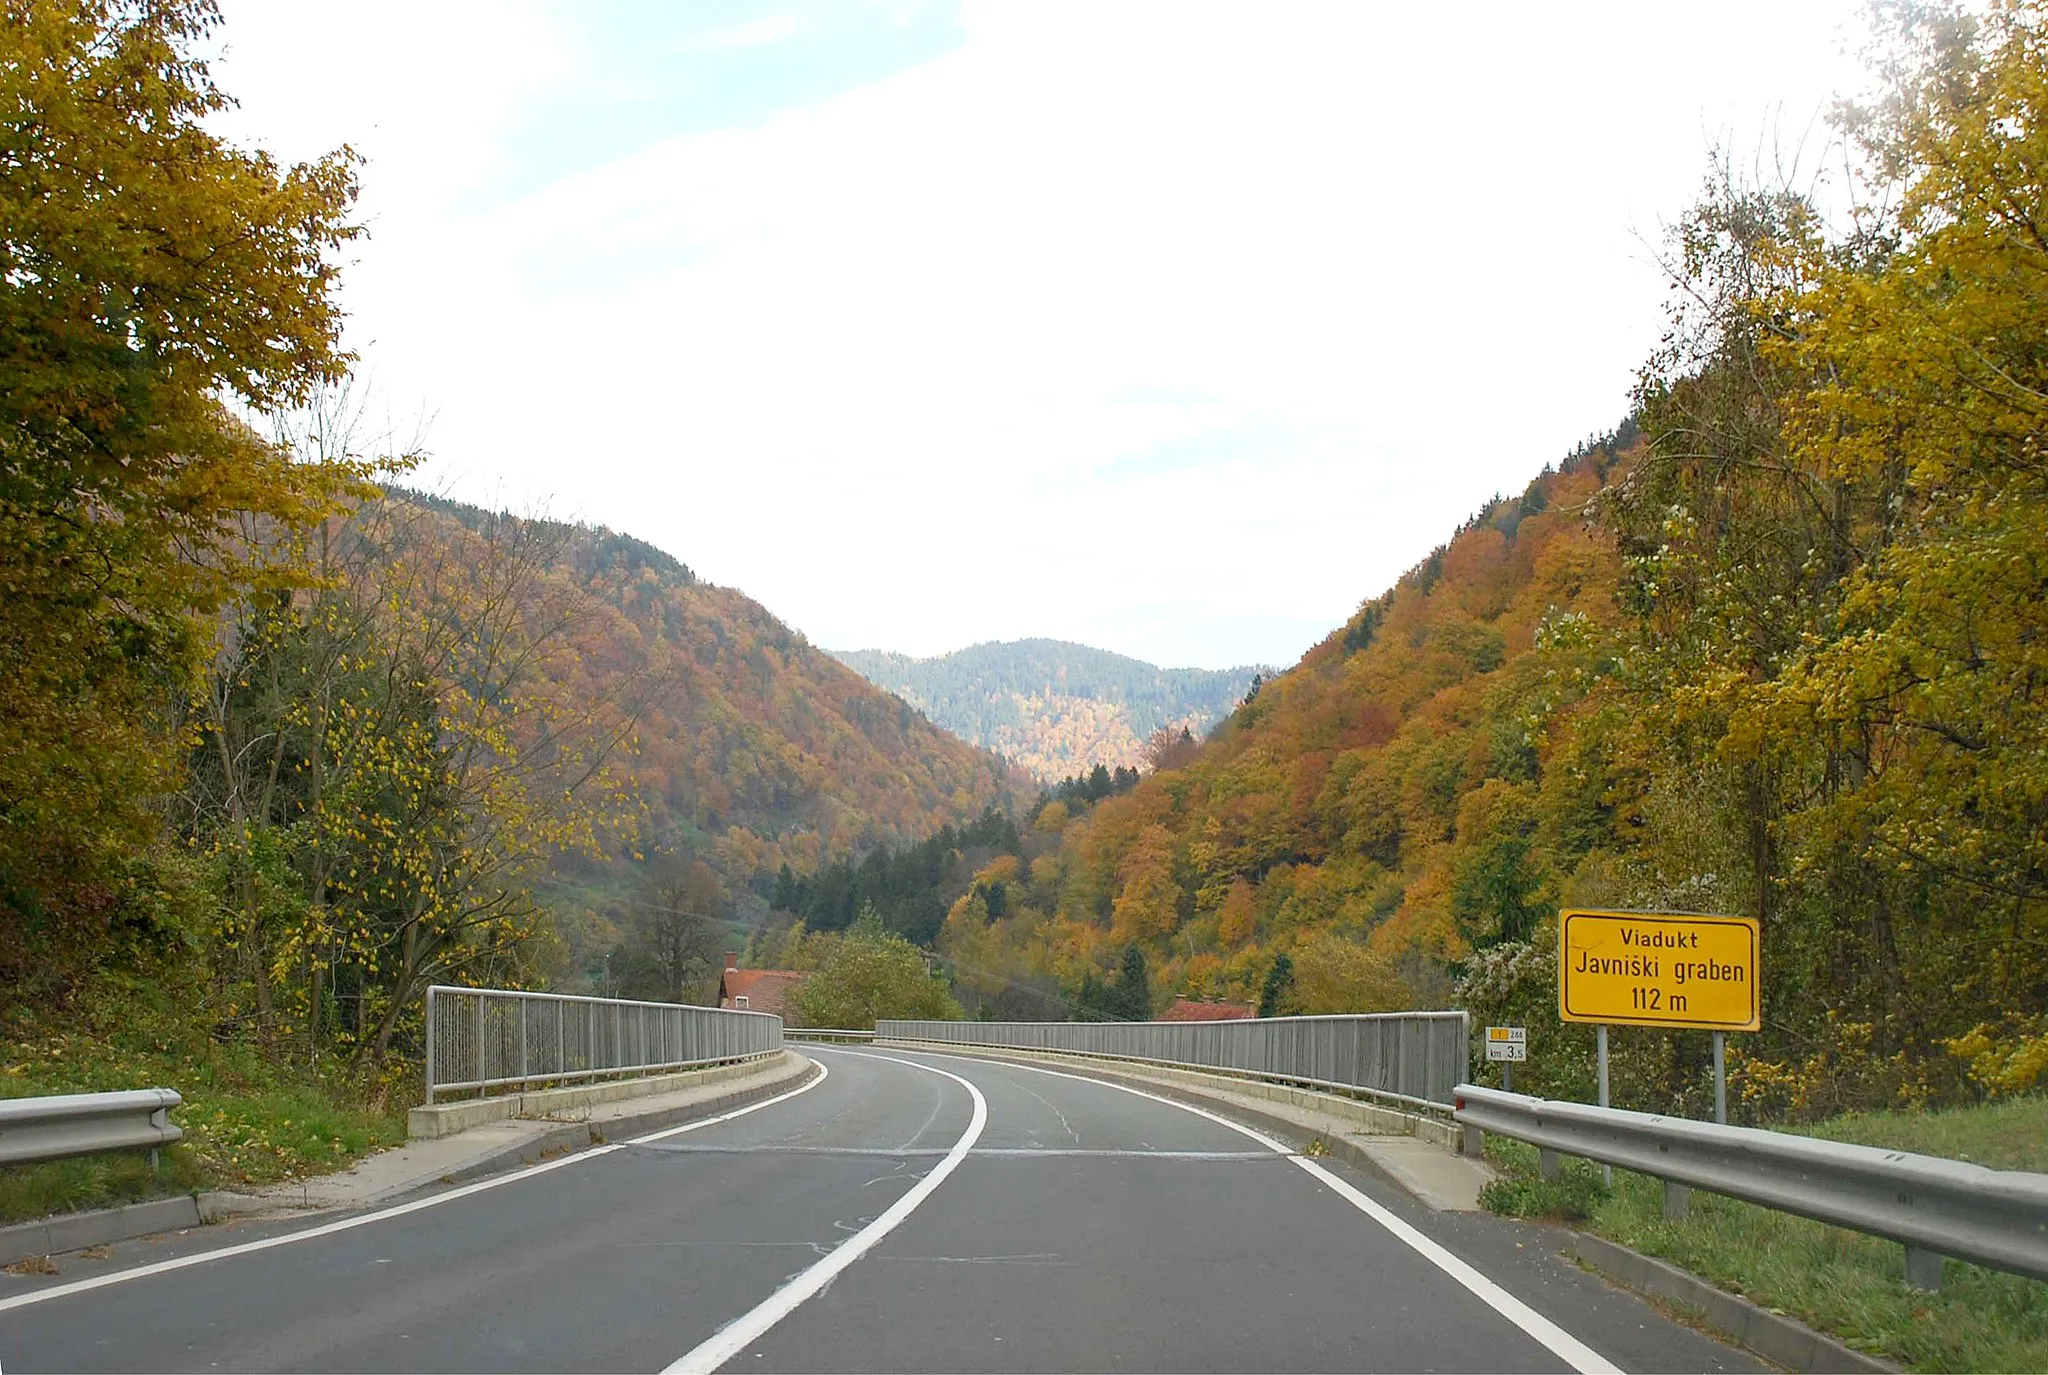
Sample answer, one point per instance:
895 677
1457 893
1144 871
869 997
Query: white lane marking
1555 1339
1007 1152
737 1335
328 1229
1560 1343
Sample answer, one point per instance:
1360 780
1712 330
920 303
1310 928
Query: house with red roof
757 990
1206 1010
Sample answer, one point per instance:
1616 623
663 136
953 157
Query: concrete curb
76 1231
459 1115
1189 1087
1777 1338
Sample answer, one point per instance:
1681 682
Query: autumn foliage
156 285
1323 817
1774 648
291 748
279 749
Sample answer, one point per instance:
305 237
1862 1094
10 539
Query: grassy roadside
1842 1283
248 1119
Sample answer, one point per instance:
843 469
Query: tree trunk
401 990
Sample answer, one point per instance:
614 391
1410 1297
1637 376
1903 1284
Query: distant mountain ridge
1052 706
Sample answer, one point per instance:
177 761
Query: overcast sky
1174 329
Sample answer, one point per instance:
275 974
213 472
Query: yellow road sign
1658 969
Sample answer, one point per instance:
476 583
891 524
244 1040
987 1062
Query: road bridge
906 1211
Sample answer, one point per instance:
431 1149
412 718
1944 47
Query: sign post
1661 969
1721 1077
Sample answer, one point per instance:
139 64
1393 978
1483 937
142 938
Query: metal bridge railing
486 1038
1412 1058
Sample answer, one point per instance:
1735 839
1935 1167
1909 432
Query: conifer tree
1276 997
1133 990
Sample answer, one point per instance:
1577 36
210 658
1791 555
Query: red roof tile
766 990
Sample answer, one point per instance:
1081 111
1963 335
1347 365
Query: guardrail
1412 1058
486 1038
824 1033
1935 1207
86 1123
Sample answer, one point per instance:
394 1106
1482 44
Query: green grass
1574 1196
93 1181
249 1118
2011 1134
1843 1283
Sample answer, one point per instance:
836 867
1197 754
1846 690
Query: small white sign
1510 1043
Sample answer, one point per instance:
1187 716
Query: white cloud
755 33
1175 329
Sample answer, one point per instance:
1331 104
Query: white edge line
345 1224
1553 1338
737 1335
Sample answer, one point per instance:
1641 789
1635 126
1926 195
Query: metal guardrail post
1923 1268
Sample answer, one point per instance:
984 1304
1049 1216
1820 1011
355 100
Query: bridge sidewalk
502 1145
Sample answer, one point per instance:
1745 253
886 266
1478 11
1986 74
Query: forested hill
1054 707
1775 649
751 748
1323 820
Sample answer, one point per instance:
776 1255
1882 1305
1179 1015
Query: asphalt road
907 1212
